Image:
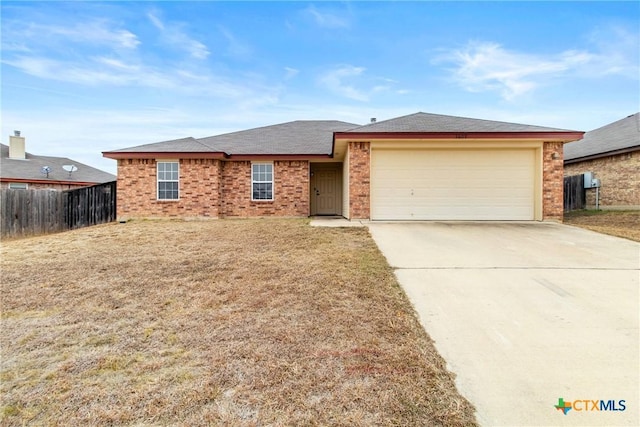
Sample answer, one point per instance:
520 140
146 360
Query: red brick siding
619 176
291 190
359 180
211 188
199 189
552 181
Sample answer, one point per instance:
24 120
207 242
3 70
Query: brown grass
240 323
615 223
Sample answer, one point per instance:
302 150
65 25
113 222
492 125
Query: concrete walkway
526 314
330 221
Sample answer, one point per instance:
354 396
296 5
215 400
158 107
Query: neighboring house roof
302 137
615 138
425 122
29 169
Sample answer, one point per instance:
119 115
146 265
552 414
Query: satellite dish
70 169
45 170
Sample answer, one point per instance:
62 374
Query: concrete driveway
526 314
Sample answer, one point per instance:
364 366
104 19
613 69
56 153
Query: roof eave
601 155
279 156
567 136
164 155
209 155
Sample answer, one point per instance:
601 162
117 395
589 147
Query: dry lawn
616 223
238 323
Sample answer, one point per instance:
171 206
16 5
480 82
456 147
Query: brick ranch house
416 167
612 153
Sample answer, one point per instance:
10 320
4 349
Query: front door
325 192
326 189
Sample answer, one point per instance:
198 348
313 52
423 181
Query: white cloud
335 81
155 21
235 48
485 66
100 53
117 64
96 32
327 19
351 82
174 35
618 49
101 71
14 46
488 66
290 73
91 73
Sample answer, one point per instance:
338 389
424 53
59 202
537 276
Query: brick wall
359 180
619 176
199 189
291 190
211 188
552 181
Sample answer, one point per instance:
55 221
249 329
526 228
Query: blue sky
79 78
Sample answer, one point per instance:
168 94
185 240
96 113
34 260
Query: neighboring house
22 170
612 153
417 167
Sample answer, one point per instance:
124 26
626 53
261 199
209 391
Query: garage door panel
453 184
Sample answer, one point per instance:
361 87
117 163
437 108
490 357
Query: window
262 181
18 185
168 181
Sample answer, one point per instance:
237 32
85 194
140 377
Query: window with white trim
262 181
18 185
168 180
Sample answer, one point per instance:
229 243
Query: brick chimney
16 146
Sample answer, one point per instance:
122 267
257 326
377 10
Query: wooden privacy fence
31 212
574 193
90 205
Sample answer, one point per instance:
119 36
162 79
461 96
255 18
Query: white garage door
490 184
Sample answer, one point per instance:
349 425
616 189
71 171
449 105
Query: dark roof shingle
30 169
297 137
315 137
619 135
426 122
304 137
182 145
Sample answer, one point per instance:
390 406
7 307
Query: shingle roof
305 137
30 169
315 137
425 122
620 135
183 145
298 137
